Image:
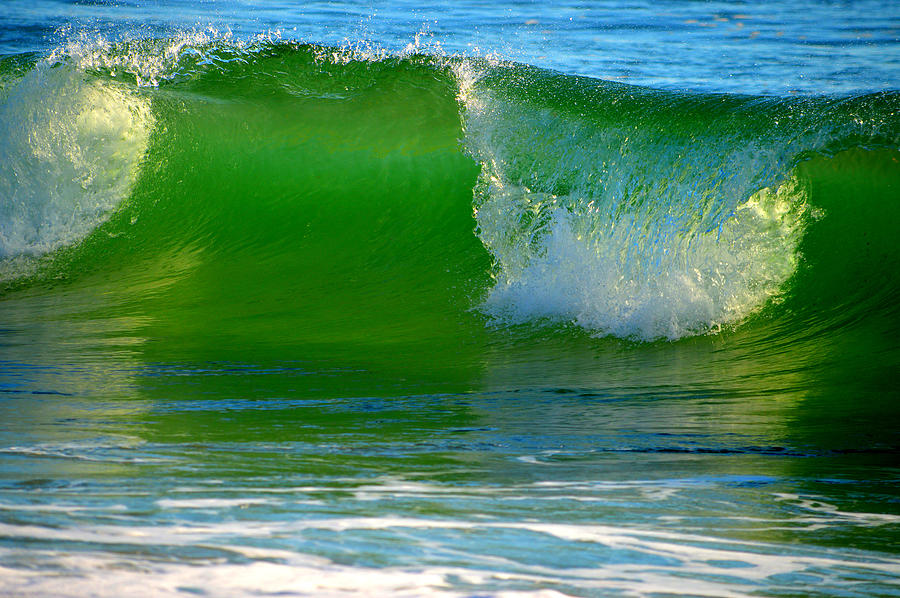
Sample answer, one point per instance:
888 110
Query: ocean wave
291 181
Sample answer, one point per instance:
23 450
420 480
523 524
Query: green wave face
265 198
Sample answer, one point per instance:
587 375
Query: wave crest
69 154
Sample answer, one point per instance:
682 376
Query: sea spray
70 147
627 222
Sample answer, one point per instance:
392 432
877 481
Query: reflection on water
567 464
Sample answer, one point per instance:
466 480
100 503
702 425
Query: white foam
673 562
618 229
209 503
69 154
609 283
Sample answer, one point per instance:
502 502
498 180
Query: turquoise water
541 300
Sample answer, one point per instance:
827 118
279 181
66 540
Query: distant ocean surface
469 299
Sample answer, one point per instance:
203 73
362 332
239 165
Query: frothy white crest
69 154
148 61
648 291
610 228
352 51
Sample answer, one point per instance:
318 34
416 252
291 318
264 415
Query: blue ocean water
809 47
469 299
